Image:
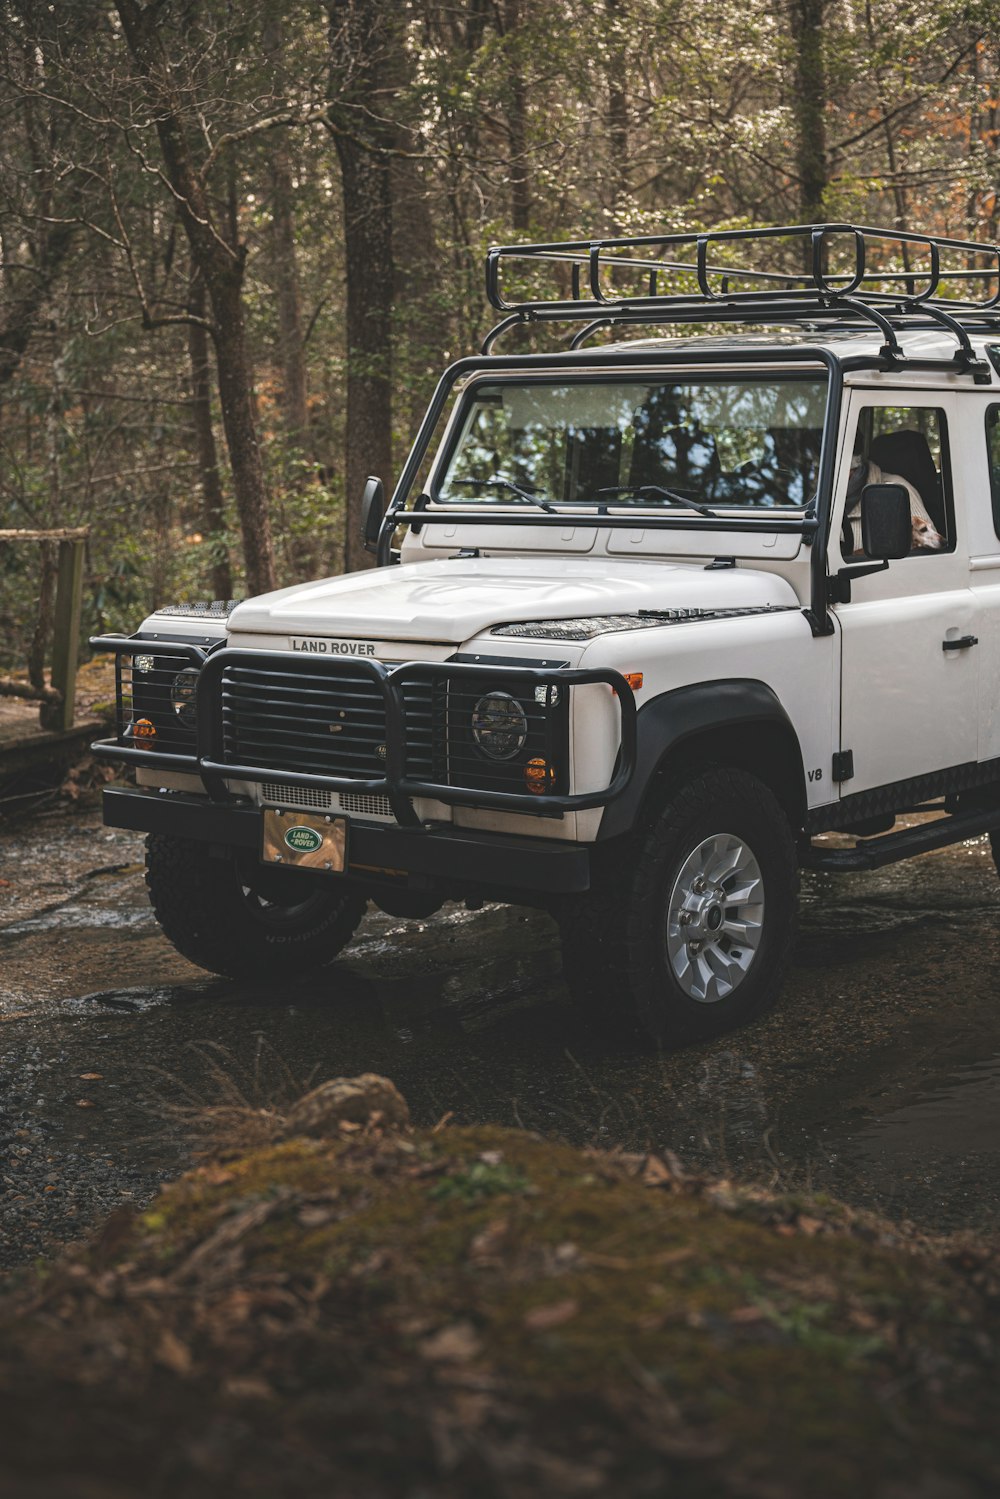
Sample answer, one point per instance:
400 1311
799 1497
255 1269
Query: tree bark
29 300
517 120
212 500
618 175
222 266
285 271
368 244
806 22
361 40
294 402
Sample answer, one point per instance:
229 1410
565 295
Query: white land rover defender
648 617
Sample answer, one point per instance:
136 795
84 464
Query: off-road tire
240 919
614 938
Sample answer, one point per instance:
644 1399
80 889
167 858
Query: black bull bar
210 762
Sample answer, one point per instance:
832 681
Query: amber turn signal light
142 733
634 679
539 776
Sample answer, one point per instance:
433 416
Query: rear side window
905 445
993 454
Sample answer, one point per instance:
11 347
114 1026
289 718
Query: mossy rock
480 1312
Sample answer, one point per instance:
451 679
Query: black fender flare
663 725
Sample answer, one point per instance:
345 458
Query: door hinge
843 765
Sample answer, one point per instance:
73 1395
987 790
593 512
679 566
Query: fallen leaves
663 1171
172 1354
456 1344
556 1314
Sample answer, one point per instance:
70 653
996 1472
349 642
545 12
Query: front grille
297 796
316 719
315 799
365 802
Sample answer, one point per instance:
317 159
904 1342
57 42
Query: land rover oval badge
303 840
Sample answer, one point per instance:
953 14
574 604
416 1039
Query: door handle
961 644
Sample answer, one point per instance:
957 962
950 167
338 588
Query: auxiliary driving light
499 725
142 732
539 776
143 663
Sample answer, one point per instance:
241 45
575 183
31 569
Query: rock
347 1101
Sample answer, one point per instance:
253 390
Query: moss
777 1333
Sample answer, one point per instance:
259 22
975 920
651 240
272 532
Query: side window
906 445
993 453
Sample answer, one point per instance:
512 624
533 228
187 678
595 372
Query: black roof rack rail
851 274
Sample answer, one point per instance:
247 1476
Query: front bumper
219 754
492 864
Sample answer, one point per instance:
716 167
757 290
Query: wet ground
877 1076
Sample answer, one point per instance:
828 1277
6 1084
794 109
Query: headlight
499 725
182 694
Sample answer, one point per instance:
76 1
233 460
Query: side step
872 853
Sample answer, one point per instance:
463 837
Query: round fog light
499 725
142 733
539 776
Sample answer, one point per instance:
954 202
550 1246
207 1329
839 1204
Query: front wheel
690 931
240 918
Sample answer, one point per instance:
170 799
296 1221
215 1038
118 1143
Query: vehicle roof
917 343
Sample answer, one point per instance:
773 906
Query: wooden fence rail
66 623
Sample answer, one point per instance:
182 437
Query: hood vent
610 624
206 609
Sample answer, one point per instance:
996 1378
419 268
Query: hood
453 599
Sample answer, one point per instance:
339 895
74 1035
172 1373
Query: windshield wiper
510 488
655 491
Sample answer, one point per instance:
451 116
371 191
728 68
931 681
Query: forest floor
482 1312
470 1310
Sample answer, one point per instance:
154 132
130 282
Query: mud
876 1077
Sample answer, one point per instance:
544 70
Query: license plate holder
303 840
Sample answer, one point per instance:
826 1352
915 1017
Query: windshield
747 442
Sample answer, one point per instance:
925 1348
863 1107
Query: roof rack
852 275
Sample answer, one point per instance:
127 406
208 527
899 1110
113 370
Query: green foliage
561 117
482 1178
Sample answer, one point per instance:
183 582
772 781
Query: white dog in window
926 536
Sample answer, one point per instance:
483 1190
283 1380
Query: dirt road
878 1075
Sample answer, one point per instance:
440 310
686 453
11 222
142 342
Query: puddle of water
878 1076
75 917
942 1146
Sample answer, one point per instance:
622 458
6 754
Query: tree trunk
285 269
221 264
364 38
294 404
239 421
517 120
806 20
212 500
418 311
30 288
618 175
368 246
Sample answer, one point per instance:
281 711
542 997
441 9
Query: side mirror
886 525
372 511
